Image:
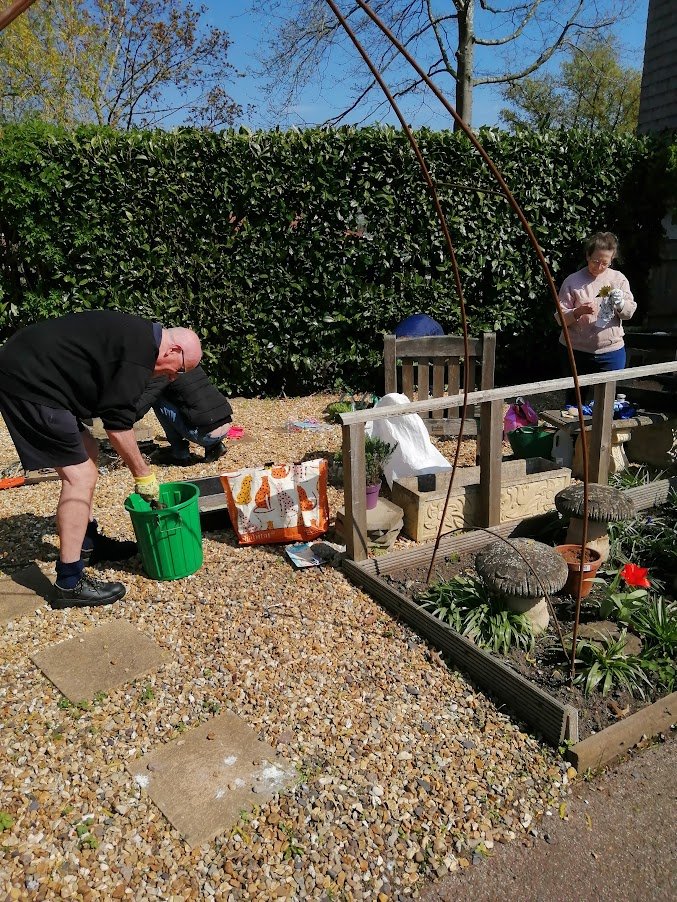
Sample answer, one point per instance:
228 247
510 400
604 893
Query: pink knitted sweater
581 288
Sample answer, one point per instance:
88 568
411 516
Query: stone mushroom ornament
605 505
523 586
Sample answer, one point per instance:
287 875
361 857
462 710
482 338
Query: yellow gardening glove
148 487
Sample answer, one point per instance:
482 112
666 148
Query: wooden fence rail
491 428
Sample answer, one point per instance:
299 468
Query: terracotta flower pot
372 495
572 556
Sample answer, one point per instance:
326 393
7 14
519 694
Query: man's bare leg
73 511
92 449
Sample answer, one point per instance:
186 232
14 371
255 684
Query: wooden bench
432 367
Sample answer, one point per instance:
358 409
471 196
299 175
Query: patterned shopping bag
280 503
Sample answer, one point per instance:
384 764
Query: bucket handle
164 529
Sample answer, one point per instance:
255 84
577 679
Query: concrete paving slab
202 781
107 657
23 592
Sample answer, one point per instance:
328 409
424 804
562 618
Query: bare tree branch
306 43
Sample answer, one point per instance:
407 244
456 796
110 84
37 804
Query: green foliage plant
649 538
251 238
619 601
336 408
376 454
606 666
148 694
662 670
292 848
469 607
6 821
656 623
630 478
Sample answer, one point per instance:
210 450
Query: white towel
415 453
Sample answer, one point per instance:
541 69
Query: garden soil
616 840
546 665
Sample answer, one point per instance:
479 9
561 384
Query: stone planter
528 488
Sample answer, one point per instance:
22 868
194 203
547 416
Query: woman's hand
587 309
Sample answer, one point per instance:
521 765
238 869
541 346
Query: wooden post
491 429
390 364
600 433
354 492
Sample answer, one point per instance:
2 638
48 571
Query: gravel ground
618 830
405 770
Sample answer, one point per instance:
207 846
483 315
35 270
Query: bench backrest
432 367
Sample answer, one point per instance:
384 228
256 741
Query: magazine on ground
313 554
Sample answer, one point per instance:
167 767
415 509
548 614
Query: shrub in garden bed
649 538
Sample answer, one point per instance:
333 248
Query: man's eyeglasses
182 368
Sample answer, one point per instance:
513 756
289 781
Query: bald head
179 348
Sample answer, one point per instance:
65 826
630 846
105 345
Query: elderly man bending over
58 372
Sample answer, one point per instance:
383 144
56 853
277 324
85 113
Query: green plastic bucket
531 441
170 540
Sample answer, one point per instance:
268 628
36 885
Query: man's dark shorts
43 436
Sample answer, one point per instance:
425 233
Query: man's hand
148 487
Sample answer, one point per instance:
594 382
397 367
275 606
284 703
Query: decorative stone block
99 660
528 488
384 523
655 445
203 781
23 592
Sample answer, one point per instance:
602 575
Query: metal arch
532 238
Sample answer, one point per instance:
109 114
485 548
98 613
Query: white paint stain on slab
273 774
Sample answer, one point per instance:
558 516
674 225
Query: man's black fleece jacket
95 364
194 395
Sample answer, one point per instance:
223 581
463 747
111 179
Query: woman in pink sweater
595 301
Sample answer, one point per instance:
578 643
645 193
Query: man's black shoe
88 593
164 457
215 452
107 549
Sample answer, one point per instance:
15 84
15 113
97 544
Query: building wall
657 112
658 98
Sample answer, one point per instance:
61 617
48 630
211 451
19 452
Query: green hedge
291 252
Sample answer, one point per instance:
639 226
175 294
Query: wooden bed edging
552 719
545 714
604 747
653 494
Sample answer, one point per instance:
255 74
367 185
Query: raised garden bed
560 714
527 489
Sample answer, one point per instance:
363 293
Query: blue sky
249 33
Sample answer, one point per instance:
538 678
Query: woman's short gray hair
601 241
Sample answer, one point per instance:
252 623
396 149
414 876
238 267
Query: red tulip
636 576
